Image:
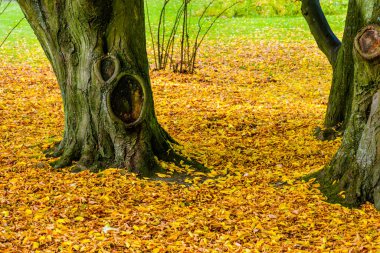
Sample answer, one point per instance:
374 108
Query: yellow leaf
100 238
105 197
35 245
61 221
42 239
79 218
162 175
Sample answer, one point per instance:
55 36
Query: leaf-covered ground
248 114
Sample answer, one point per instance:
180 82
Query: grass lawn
9 19
257 28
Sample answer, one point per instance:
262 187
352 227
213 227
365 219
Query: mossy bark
341 93
353 175
340 57
98 53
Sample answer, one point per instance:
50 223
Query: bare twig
187 38
188 48
197 44
159 42
6 6
10 32
170 44
151 33
183 36
200 19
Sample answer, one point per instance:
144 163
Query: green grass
22 43
249 28
270 28
254 8
23 33
283 28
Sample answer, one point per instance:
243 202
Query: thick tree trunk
340 57
353 176
97 50
341 93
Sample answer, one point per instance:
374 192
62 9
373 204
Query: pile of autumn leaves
248 114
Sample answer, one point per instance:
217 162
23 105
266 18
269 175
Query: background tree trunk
340 56
341 93
98 53
353 176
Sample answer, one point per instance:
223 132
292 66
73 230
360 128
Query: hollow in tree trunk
98 53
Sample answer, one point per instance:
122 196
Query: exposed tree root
92 160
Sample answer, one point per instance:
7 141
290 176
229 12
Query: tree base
332 190
343 182
170 155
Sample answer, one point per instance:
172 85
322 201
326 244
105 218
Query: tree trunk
353 175
341 93
98 53
339 55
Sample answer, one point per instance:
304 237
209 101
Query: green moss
333 189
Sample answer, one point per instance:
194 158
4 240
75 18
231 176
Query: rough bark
98 53
353 175
339 55
341 93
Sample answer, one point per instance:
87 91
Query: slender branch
183 35
187 37
5 8
159 42
320 28
10 32
203 14
195 47
197 44
163 36
170 43
151 33
215 19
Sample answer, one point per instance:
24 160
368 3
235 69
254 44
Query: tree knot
367 42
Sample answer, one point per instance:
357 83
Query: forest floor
248 113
